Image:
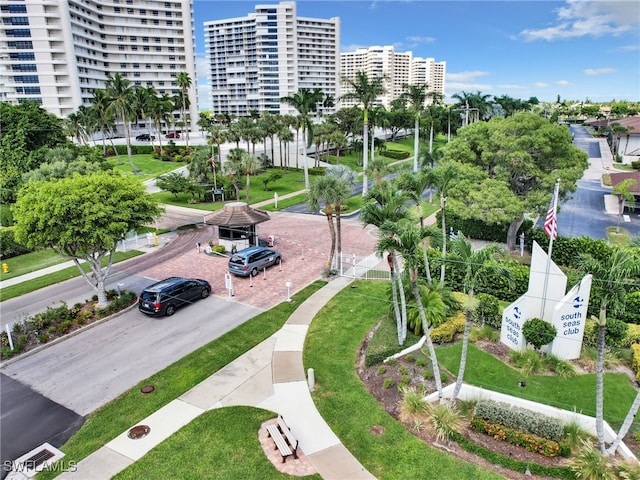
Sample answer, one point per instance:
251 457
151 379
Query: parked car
253 259
164 297
145 137
173 135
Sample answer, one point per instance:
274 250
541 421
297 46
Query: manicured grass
149 167
29 286
351 411
30 262
219 443
285 203
132 406
579 392
621 238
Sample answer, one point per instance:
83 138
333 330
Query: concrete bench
284 440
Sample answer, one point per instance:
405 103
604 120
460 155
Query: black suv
162 298
145 137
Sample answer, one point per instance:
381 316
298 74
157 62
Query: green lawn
621 238
148 166
351 411
219 443
37 283
30 262
577 393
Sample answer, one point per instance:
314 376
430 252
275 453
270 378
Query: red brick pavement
298 467
304 243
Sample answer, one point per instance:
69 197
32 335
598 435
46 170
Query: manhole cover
147 389
377 430
139 431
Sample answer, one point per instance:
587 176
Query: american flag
551 222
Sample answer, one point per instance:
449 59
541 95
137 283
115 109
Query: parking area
303 241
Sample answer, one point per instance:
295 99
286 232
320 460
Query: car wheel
205 293
170 310
254 272
278 261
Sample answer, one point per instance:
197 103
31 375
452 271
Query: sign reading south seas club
545 299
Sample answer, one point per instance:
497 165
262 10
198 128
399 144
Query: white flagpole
551 238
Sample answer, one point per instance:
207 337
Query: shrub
382 369
409 358
488 310
421 361
445 332
520 419
635 359
533 443
8 245
218 248
396 154
387 383
446 420
538 332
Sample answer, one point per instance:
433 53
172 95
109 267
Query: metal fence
370 267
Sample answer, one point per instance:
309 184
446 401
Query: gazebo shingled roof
236 214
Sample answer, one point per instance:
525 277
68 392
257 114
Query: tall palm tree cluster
121 103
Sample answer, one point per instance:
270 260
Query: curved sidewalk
269 376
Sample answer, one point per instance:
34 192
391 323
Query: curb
65 337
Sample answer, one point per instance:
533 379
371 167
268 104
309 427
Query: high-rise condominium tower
271 53
57 52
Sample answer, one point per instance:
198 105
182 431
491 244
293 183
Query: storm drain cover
147 389
39 458
139 431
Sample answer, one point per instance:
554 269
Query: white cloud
579 18
352 48
563 83
599 71
419 40
511 87
629 48
465 77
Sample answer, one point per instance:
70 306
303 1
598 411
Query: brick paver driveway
303 241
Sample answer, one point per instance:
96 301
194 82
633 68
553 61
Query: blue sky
580 50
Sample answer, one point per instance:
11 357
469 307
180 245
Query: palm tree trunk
443 206
332 231
403 299
339 237
427 333
304 160
396 309
602 328
416 142
463 355
365 154
626 425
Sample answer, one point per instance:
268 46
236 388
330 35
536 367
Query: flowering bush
533 443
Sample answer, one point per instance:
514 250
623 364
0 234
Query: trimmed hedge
520 419
396 154
533 443
510 463
635 359
446 331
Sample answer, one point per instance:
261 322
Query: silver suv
253 259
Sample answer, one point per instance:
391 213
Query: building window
19 32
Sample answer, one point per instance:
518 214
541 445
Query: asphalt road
584 213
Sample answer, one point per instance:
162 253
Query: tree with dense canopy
517 161
27 133
83 217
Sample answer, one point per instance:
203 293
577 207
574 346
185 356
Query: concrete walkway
269 376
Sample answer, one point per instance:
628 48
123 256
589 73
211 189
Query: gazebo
236 224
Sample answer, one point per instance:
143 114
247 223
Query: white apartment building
397 68
56 52
271 53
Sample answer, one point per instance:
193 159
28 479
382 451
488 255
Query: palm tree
443 177
610 276
623 191
120 93
385 206
104 119
476 104
183 81
305 101
241 161
475 265
161 109
365 92
406 237
332 191
143 100
414 184
415 95
74 127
